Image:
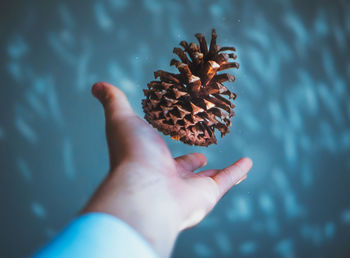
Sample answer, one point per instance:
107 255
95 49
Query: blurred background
292 117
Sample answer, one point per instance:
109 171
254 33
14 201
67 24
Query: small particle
202 250
346 217
26 130
223 242
248 247
285 248
38 210
329 229
24 169
17 48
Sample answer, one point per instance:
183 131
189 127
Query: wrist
125 195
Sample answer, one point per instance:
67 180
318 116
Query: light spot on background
38 210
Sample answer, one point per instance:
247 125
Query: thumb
114 101
117 108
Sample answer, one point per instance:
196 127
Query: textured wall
292 117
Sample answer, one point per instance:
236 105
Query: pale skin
157 195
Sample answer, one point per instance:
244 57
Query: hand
157 195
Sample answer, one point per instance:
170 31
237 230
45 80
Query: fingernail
246 164
98 90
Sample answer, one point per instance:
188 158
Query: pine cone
190 105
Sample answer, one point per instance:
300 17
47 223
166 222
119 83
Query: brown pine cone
191 105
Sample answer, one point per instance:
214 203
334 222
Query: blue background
292 117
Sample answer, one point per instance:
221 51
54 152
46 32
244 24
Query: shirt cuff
97 235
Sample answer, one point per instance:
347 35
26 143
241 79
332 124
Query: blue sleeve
97 235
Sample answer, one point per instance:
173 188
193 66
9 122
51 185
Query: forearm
96 235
